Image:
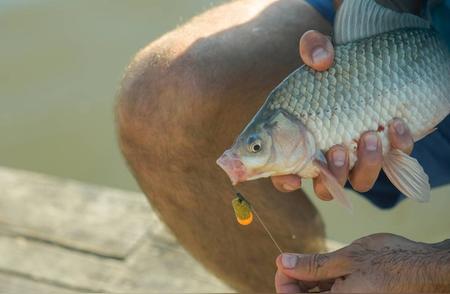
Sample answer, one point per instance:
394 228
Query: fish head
277 144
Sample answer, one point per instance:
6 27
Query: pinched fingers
369 163
286 284
316 50
400 136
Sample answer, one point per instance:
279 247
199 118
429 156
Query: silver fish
387 65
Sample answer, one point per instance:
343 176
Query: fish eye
254 144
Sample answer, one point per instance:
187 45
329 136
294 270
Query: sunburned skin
182 102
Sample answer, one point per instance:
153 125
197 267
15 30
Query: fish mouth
233 166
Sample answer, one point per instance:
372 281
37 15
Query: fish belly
401 74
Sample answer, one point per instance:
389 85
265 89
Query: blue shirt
433 152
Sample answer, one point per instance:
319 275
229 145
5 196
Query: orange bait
242 210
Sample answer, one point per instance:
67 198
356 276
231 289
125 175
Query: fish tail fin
407 175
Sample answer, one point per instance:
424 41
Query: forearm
441 266
430 268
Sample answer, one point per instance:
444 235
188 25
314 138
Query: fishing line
238 194
267 230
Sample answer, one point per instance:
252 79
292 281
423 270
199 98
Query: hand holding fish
387 65
376 263
316 51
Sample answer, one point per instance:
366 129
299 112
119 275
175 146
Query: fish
242 210
387 65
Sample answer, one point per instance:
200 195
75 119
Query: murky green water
60 64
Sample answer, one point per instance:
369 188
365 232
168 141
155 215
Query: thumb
314 267
316 50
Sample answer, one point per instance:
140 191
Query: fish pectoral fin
333 186
407 175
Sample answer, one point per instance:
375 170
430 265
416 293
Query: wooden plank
40 261
106 221
167 268
15 284
155 267
96 239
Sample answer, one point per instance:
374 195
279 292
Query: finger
400 136
320 190
337 158
287 183
340 286
368 166
315 267
285 284
316 50
317 286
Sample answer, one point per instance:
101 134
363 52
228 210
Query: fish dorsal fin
359 19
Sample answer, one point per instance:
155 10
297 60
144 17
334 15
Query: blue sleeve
324 7
440 18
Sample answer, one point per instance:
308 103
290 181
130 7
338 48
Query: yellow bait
242 210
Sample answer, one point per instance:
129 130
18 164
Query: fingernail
289 187
289 261
399 127
371 142
338 158
319 54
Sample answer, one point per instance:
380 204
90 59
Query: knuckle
314 263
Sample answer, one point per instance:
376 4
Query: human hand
316 50
376 263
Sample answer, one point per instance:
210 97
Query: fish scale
401 74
